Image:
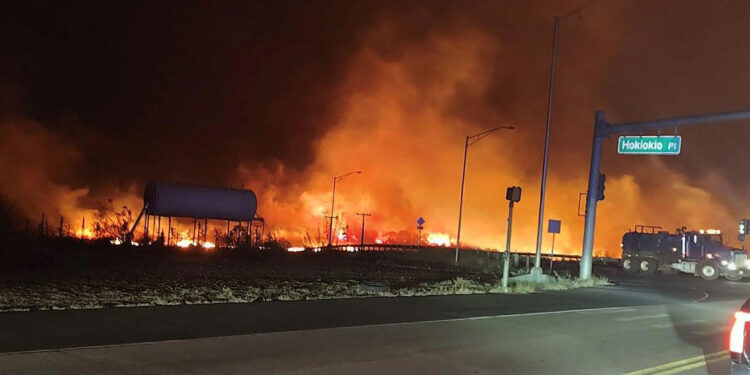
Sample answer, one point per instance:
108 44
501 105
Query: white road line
642 317
622 310
670 325
709 331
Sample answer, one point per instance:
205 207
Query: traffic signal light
744 228
602 179
513 194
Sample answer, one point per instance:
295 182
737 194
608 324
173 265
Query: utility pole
603 130
362 235
470 140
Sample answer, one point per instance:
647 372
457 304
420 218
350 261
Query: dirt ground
80 275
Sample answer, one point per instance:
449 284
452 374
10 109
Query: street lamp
537 270
333 200
470 140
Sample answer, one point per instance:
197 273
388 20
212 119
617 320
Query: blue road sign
553 226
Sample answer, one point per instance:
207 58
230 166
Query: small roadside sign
553 226
420 221
649 145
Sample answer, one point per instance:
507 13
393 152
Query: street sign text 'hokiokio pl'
649 145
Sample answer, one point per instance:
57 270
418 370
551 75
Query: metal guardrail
392 247
553 256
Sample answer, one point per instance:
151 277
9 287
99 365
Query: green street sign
649 145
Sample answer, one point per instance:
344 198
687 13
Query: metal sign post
420 222
513 195
553 226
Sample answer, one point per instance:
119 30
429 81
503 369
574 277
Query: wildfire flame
439 239
184 243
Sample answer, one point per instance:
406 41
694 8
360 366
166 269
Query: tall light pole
537 270
333 200
470 140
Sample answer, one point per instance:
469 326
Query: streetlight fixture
333 200
470 140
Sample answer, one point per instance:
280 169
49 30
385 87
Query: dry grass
559 283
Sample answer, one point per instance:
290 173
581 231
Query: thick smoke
408 102
264 96
38 166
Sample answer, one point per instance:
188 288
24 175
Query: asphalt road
656 325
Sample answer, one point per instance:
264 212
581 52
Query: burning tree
319 235
111 223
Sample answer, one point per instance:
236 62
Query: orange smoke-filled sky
263 96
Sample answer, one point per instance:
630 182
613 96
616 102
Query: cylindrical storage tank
200 202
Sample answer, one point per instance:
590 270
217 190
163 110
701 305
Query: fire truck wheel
647 266
629 265
733 275
708 271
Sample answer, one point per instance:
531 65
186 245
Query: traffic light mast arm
634 127
603 130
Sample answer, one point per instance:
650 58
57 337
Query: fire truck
647 249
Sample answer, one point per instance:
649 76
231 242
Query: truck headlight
732 266
724 262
